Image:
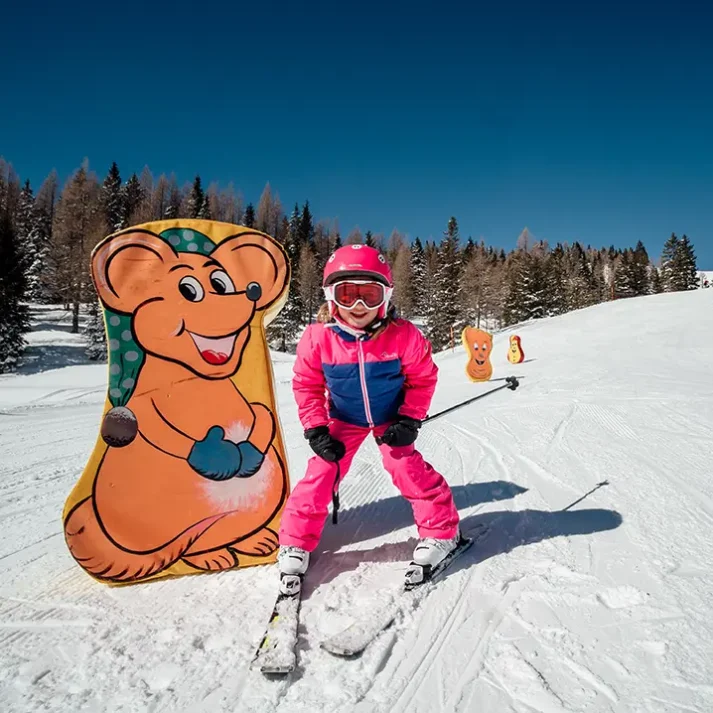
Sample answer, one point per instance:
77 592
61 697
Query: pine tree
444 315
195 198
288 323
133 197
555 292
249 217
670 267
94 332
369 239
656 280
306 229
14 316
24 222
418 275
578 288
173 208
638 270
42 272
514 309
689 279
623 280
205 212
112 200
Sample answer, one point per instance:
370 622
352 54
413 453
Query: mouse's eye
191 289
221 283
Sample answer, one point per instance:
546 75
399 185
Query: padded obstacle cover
515 353
188 473
479 347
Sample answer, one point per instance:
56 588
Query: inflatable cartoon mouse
189 472
479 346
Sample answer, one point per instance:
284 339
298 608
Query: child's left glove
400 433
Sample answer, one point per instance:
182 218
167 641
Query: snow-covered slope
593 592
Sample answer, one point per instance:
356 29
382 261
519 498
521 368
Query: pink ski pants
426 490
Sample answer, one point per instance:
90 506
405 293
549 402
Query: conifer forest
47 233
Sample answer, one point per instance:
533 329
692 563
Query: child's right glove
324 445
400 433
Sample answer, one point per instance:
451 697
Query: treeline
46 238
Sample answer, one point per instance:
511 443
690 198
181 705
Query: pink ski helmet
357 262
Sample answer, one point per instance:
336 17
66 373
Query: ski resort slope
592 592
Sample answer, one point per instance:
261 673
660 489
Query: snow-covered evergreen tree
287 325
195 199
638 271
14 315
418 274
444 314
133 197
689 279
24 221
94 332
670 264
112 200
623 287
555 291
173 208
578 278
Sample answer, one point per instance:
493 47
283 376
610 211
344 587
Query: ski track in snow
574 602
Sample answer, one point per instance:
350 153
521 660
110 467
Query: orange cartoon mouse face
188 307
479 346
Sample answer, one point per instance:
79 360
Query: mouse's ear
255 258
127 268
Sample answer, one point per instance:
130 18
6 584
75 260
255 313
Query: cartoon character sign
188 473
479 346
515 353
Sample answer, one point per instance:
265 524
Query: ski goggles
349 292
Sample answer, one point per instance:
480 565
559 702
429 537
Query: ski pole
512 384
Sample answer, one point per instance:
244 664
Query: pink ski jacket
363 380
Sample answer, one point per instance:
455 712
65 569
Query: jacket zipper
364 390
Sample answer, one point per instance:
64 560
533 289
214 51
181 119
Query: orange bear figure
186 475
479 346
515 353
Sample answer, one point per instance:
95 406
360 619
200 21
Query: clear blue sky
583 122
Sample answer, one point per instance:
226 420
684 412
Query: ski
276 653
419 582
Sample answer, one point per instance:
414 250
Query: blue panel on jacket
384 383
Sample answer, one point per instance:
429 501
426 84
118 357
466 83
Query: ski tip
336 650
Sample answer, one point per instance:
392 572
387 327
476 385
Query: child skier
362 370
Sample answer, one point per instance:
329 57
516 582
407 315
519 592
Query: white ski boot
431 551
292 562
430 557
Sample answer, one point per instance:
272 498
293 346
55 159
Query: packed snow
592 592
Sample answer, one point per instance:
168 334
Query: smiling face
479 345
359 317
199 318
188 308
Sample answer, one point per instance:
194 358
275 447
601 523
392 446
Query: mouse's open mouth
215 350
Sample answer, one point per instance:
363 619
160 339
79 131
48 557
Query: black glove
322 443
401 433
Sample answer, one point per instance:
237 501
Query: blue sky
582 122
